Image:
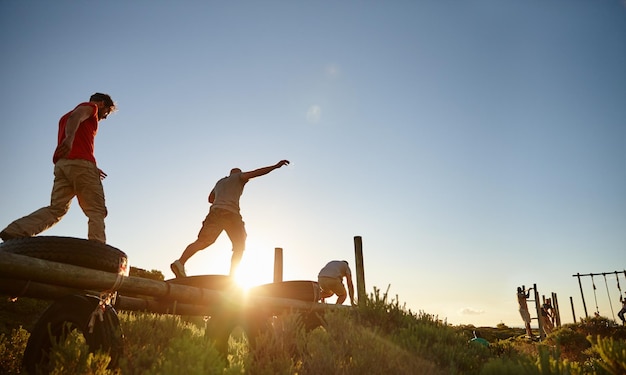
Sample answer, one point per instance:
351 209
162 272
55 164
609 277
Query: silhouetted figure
75 174
522 296
224 216
623 310
547 316
330 279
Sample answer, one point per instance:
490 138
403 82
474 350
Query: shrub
572 344
380 337
11 350
161 343
70 355
612 353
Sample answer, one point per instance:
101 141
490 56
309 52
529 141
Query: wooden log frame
24 276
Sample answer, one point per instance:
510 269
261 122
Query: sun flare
254 270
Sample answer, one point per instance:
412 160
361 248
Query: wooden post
571 302
278 264
360 272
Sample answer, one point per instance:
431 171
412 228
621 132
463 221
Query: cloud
313 114
470 311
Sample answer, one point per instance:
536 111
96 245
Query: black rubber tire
69 250
75 310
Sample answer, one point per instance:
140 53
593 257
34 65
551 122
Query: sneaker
178 269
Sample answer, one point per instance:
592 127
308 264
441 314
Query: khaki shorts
331 285
219 220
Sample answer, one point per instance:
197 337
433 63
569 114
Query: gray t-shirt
227 192
336 269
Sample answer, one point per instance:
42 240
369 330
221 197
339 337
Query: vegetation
381 337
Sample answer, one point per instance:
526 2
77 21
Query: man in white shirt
330 280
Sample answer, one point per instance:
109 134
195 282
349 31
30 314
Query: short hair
100 97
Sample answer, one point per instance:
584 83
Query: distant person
547 316
76 174
623 310
224 216
522 296
330 279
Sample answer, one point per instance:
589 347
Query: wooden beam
157 296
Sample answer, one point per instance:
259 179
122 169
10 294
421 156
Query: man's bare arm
350 289
263 171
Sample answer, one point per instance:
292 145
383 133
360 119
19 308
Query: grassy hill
378 338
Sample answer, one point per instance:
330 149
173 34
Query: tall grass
379 337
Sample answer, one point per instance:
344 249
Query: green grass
381 337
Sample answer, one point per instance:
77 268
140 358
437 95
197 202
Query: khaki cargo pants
72 178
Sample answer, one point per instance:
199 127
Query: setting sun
256 268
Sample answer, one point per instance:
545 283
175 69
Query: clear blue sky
475 145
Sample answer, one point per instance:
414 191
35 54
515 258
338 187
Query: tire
302 290
214 282
75 311
68 250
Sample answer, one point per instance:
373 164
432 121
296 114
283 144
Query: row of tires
99 323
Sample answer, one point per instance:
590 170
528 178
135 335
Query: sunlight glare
256 268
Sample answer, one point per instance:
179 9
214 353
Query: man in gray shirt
330 279
224 216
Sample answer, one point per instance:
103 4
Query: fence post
278 264
360 272
571 302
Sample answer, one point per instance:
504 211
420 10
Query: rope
608 295
594 295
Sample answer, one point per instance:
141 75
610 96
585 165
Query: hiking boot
178 269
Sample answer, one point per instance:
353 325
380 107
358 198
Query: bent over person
76 174
330 279
224 215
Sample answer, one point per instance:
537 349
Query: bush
612 353
70 355
380 337
161 343
11 350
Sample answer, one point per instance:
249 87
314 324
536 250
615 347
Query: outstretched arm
263 171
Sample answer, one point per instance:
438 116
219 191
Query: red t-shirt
83 146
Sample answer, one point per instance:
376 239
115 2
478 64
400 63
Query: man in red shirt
75 174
